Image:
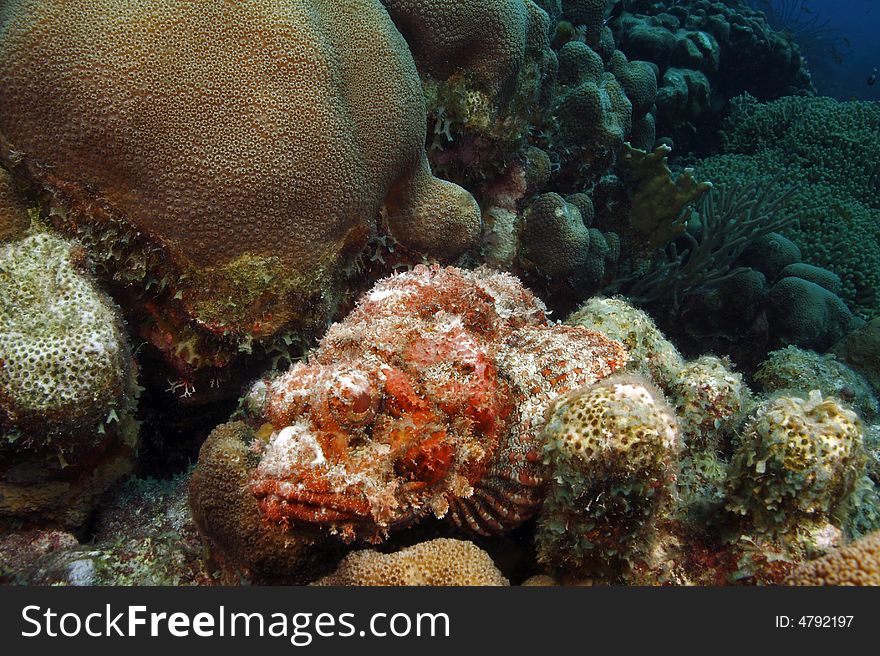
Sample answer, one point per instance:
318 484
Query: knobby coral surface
235 153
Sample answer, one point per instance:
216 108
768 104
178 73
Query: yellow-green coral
797 458
611 449
657 204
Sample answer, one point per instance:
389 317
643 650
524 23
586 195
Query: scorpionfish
428 398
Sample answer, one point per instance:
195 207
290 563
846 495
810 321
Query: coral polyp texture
798 458
612 448
248 219
440 562
14 219
858 563
428 398
66 383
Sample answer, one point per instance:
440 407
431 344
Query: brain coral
249 142
66 383
440 562
858 563
428 398
612 449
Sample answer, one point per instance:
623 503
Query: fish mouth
281 501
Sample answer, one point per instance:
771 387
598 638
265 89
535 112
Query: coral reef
236 229
793 368
612 449
699 48
710 401
650 353
860 349
825 150
857 563
67 383
14 220
440 562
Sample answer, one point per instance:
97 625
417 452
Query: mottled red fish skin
430 396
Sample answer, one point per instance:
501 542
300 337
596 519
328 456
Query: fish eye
353 397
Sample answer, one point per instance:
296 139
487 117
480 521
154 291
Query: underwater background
438 292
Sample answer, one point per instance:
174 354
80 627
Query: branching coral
731 217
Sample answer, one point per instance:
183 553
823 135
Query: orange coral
428 397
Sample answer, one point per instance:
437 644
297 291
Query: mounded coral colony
362 219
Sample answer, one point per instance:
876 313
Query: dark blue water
840 39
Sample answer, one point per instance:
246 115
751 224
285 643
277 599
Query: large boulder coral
244 221
428 398
67 384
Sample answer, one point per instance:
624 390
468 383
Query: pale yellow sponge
440 562
651 354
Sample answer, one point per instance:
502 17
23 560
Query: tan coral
440 562
487 37
857 563
246 141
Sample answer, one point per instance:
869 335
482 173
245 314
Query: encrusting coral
612 449
440 562
428 398
67 383
798 458
858 563
14 220
245 222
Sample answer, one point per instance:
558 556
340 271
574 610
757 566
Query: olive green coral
67 383
14 219
827 149
612 449
797 458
